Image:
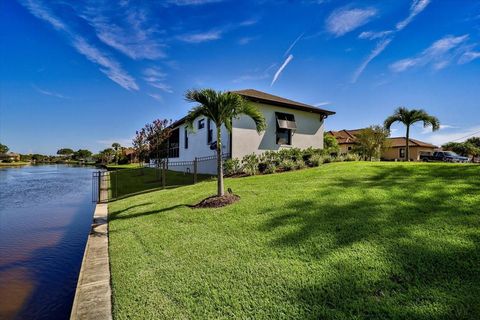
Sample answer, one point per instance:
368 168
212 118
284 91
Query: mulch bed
217 202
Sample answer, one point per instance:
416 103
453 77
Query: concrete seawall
93 294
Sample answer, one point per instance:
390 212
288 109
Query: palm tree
409 117
221 108
116 146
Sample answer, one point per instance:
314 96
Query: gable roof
349 137
259 96
263 97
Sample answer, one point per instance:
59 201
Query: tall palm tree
221 108
409 117
116 146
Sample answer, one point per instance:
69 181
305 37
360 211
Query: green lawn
126 181
342 241
14 164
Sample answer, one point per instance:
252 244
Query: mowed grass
127 181
342 241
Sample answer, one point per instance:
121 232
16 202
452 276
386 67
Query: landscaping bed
340 241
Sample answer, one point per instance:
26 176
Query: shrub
232 166
327 159
287 164
250 164
352 157
309 152
315 160
270 168
300 164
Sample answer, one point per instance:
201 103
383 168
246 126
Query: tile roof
348 137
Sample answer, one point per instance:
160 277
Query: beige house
10 156
289 124
396 146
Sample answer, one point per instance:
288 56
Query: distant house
130 154
289 124
10 156
396 146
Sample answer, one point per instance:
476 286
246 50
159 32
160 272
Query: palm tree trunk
407 144
220 191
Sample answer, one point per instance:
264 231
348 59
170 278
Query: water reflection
45 214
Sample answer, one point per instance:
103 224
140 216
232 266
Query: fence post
195 171
99 186
163 174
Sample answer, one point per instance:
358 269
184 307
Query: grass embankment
14 164
342 241
124 166
126 181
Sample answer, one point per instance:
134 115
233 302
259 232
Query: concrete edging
93 296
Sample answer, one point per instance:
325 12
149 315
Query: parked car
445 156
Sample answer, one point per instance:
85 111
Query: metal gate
100 183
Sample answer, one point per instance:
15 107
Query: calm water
45 216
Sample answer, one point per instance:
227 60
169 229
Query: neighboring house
130 154
10 156
289 124
395 149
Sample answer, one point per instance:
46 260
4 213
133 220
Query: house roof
263 97
259 96
349 137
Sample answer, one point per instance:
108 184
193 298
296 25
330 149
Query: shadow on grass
116 215
401 243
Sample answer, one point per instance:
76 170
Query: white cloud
416 7
280 70
469 56
378 49
344 20
133 35
246 40
439 54
441 137
372 35
156 96
255 75
191 2
156 78
201 36
293 44
321 104
428 129
49 93
108 66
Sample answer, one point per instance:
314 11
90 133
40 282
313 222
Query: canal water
45 216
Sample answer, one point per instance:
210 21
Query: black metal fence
120 183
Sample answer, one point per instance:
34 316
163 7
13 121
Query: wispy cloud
201 36
156 96
294 43
256 75
321 104
191 2
156 78
344 20
387 36
246 40
468 56
441 137
439 54
280 70
428 129
132 35
416 7
378 49
49 93
108 65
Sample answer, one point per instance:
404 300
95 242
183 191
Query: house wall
394 153
246 140
198 147
344 148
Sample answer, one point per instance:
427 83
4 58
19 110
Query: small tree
107 155
221 108
82 154
65 152
409 117
140 144
157 134
3 148
371 141
116 147
330 144
462 148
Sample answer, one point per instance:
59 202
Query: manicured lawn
14 164
123 166
342 241
127 180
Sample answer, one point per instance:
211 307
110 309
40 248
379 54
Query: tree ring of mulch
216 201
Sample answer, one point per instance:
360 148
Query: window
186 138
209 132
349 148
201 124
402 153
285 127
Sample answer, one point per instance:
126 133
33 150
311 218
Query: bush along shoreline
280 161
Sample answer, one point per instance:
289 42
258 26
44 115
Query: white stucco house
289 124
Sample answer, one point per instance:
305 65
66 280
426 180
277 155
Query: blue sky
84 74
